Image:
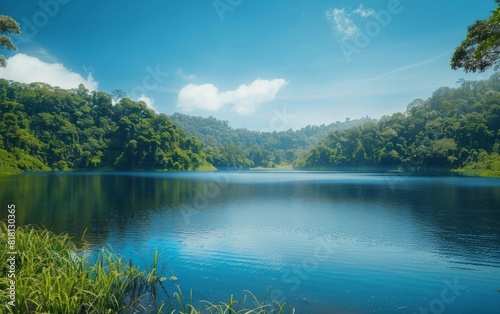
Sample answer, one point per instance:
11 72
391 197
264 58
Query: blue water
323 242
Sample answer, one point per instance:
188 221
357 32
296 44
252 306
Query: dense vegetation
455 128
49 277
47 128
226 147
480 51
8 26
53 275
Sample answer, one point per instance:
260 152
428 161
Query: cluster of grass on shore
488 165
53 276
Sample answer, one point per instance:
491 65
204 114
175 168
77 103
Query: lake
323 242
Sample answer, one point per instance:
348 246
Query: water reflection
73 202
385 242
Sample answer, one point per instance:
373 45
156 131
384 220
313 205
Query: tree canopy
455 128
7 26
229 148
45 128
481 48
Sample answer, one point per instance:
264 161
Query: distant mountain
241 148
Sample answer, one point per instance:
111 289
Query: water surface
323 242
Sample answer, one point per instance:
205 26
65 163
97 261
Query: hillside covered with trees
228 148
45 128
456 128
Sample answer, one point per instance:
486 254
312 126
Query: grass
18 161
53 275
487 165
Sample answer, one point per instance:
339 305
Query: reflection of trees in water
461 220
74 202
464 220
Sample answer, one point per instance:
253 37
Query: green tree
44 127
481 48
7 26
117 95
455 128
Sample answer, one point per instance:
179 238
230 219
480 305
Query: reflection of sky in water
329 246
354 242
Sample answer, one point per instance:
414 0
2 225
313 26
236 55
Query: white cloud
244 100
149 102
364 12
342 24
206 97
184 76
26 69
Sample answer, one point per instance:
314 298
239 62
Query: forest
228 148
456 128
45 128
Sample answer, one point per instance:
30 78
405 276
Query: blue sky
260 64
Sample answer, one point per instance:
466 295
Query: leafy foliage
454 128
241 148
44 127
486 165
481 48
7 26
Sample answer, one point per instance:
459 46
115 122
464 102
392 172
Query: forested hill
455 128
226 147
46 128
